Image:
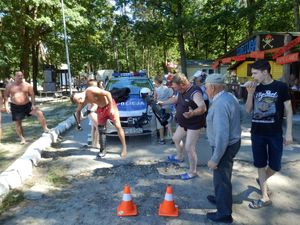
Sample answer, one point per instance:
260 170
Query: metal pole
67 49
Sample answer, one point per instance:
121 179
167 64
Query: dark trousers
222 180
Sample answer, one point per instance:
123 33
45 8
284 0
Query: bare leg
178 138
190 147
262 176
96 137
94 130
19 131
161 133
41 119
121 134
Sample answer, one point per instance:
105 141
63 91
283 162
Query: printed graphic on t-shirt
264 107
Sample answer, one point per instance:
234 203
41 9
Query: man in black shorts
22 104
267 100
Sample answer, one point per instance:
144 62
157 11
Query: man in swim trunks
107 109
22 104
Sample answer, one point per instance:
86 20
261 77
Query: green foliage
133 34
13 198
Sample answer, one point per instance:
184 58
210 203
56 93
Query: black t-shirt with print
268 108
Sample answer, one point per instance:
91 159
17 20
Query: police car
136 115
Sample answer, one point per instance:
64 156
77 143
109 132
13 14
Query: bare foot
47 130
124 154
23 142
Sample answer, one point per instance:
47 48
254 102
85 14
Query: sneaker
161 142
101 154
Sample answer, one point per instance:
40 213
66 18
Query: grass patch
54 112
57 176
13 198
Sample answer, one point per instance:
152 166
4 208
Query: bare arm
289 122
6 96
250 86
78 114
198 99
170 101
32 95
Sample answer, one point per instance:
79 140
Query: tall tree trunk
251 16
180 39
296 15
225 40
35 65
182 53
24 60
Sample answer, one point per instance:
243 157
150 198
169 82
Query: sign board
288 58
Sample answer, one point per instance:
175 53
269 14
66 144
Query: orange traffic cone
127 207
168 207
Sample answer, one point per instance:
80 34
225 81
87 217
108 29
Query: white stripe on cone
127 197
168 197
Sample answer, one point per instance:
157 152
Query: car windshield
135 85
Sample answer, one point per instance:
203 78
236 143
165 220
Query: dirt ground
89 190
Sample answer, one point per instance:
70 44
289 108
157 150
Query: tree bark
35 65
296 15
25 52
180 39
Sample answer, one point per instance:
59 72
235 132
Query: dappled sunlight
246 134
246 142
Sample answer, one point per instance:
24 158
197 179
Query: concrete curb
21 169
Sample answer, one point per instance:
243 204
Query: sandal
187 176
257 204
172 159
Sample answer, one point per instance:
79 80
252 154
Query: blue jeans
222 180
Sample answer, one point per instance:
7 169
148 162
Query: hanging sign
239 58
287 47
257 55
288 58
226 60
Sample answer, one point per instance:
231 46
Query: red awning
239 58
287 47
288 58
257 55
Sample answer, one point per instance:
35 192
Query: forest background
130 35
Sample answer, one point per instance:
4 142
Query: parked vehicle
136 115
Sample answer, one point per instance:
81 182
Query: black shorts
19 112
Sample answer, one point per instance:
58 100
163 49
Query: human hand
212 165
288 140
7 110
160 103
33 110
189 114
250 86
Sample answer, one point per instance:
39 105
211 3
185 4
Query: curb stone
15 175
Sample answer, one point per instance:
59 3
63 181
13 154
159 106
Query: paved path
95 186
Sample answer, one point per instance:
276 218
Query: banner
257 55
287 47
288 58
239 58
226 60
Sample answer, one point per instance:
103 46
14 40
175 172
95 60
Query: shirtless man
107 109
22 104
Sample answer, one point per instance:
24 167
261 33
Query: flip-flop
187 176
257 204
172 159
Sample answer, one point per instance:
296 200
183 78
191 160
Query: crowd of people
203 103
